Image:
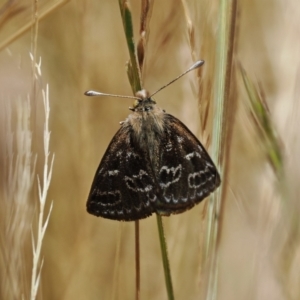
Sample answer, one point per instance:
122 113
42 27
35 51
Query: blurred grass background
82 46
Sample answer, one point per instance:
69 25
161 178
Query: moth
154 164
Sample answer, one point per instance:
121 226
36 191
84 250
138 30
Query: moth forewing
123 186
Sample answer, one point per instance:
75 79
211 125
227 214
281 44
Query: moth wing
186 173
124 186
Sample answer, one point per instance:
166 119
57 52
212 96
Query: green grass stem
224 58
164 253
134 75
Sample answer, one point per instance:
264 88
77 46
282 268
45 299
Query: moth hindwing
153 164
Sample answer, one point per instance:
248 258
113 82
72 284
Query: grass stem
165 259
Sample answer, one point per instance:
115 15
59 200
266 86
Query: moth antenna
196 65
95 93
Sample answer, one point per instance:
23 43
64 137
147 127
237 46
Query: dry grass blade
146 12
191 31
43 190
134 71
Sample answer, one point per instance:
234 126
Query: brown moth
154 164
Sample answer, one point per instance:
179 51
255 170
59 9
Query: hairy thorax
147 125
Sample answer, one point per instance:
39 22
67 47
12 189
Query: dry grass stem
42 192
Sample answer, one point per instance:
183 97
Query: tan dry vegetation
83 47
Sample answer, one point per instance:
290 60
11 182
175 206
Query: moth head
143 99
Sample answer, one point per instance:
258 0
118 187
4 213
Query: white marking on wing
116 194
169 147
193 154
192 180
133 181
173 171
179 139
113 172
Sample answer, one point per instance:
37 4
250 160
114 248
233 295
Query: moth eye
136 103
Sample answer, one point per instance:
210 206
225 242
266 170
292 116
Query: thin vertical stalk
164 253
137 259
43 190
133 67
224 57
117 264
